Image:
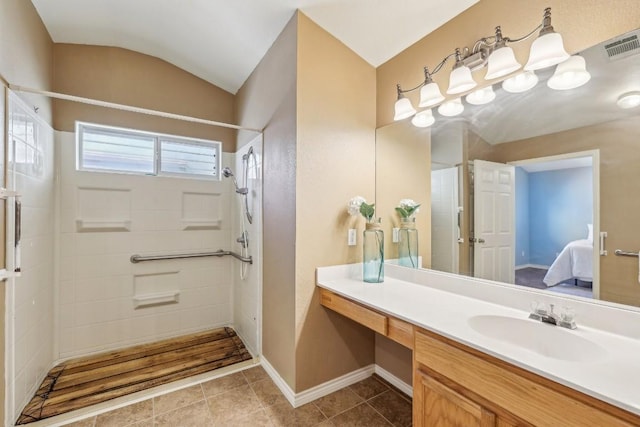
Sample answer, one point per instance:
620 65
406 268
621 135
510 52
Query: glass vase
408 244
373 256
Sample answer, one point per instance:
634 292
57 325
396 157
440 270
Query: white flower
407 208
354 205
409 203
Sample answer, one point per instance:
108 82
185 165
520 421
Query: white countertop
613 375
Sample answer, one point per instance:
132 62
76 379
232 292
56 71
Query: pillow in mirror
590 233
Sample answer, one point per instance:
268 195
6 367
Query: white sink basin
547 340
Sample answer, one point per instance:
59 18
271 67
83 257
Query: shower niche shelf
87 225
140 301
201 224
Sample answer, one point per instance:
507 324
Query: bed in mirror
535 189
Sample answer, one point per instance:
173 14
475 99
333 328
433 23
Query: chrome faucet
565 320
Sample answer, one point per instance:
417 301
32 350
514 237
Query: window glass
107 149
188 158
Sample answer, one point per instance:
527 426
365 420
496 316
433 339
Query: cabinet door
436 405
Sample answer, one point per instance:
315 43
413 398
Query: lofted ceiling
222 41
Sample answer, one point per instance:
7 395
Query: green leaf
367 210
402 212
406 211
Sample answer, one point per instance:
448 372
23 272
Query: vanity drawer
401 332
365 316
505 388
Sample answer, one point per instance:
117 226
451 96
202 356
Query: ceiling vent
623 46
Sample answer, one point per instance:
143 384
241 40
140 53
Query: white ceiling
222 41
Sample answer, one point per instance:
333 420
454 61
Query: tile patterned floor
250 398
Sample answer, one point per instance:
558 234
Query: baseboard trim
279 381
394 381
309 395
336 384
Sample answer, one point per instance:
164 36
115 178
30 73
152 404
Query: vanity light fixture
569 74
627 100
494 53
521 82
481 96
451 108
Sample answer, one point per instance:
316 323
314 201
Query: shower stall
78 293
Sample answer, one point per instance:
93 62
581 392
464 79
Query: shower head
226 172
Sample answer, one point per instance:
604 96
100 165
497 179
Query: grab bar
625 253
139 258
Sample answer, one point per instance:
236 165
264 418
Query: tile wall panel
96 280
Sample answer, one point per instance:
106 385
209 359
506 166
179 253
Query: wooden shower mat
86 381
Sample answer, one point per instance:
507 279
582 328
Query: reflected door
494 221
445 227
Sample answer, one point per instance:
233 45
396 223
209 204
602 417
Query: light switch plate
351 237
396 235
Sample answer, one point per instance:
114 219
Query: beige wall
336 161
25 51
131 78
619 204
25 59
268 99
582 23
316 100
395 358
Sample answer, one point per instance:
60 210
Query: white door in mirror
494 221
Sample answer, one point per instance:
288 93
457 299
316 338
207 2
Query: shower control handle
243 239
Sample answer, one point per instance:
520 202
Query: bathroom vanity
479 360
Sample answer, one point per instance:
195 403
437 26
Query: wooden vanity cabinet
388 326
457 386
441 406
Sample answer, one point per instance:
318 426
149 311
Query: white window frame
158 138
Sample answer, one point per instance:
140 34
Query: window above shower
101 148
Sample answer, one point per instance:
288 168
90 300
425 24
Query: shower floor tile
86 381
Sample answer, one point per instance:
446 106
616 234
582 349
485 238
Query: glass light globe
569 74
481 96
546 51
451 108
501 62
520 82
403 109
423 119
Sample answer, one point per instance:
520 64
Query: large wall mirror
523 190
